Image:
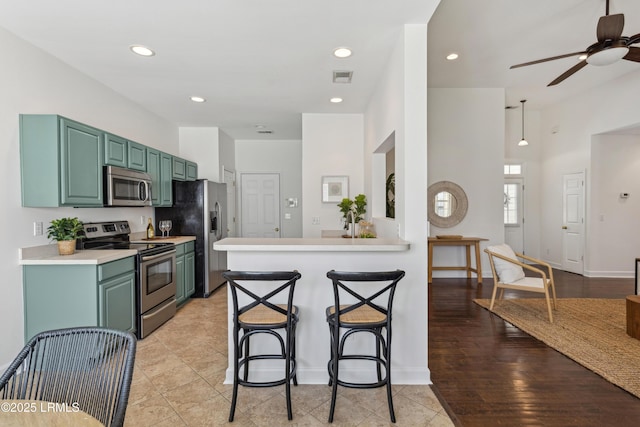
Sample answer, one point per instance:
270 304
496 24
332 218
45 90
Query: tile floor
180 369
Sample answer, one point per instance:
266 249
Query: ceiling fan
610 47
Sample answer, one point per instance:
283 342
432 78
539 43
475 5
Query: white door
230 180
514 213
573 223
260 209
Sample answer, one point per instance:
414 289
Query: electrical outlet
315 220
143 220
38 228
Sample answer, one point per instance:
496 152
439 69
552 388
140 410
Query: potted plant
65 231
356 207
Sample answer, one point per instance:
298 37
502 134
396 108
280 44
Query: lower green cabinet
185 271
65 296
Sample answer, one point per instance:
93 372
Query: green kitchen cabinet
166 173
136 156
123 153
179 169
60 162
159 168
191 171
64 296
185 271
115 150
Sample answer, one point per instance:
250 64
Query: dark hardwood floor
489 373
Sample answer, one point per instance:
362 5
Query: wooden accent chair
508 273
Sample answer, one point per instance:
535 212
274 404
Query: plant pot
66 247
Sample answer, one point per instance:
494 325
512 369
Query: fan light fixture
608 56
523 142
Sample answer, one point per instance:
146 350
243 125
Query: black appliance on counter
199 209
155 271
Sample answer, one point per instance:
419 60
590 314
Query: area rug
590 331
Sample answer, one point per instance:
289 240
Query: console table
467 242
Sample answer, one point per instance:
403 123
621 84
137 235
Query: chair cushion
507 271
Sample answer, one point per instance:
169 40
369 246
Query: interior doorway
230 180
573 222
260 204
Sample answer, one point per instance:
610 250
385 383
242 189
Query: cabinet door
189 274
136 156
180 296
166 192
153 169
179 169
81 160
192 171
115 150
116 302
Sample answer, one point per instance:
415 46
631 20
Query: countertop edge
233 244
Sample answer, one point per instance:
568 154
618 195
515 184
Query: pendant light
523 142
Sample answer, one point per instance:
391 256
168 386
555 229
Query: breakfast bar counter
313 258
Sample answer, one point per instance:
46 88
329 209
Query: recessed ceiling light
141 50
342 52
452 56
198 99
336 100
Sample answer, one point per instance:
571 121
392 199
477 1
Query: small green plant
64 229
358 206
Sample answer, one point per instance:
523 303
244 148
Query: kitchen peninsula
313 258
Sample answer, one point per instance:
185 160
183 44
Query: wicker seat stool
364 315
257 315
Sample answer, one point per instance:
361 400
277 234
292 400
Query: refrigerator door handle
218 229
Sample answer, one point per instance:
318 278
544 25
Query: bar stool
362 316
261 316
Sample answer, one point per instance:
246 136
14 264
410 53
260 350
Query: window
515 169
511 196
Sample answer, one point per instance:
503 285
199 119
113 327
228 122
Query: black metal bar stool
365 315
261 316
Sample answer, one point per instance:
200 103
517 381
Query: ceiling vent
342 76
264 131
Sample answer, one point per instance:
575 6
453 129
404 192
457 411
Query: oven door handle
163 254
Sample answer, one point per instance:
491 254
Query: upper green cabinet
179 169
124 153
184 170
192 171
60 162
159 167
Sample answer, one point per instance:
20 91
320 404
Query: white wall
614 232
33 82
283 158
332 145
466 146
400 105
202 145
567 129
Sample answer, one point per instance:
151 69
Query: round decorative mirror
447 204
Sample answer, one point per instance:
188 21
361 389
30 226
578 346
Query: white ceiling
267 61
492 35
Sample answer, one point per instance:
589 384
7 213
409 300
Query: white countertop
48 254
311 244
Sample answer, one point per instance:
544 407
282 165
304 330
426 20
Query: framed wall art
334 188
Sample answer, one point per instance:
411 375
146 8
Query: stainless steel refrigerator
199 209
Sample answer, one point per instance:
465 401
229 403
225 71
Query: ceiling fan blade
553 58
610 27
634 39
569 72
633 55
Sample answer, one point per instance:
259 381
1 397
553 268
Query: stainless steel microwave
124 187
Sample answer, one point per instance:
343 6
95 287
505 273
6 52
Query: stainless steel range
155 271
